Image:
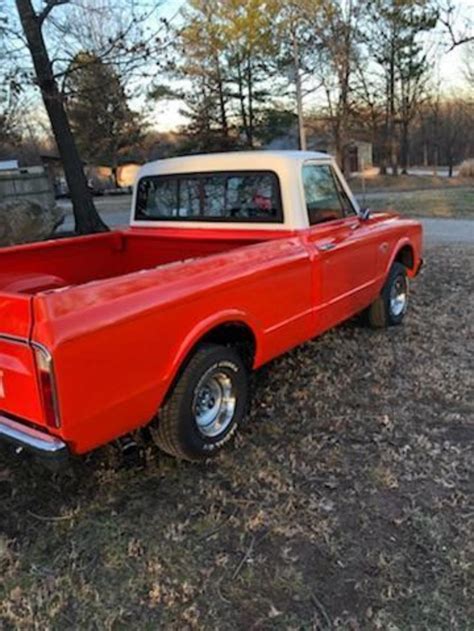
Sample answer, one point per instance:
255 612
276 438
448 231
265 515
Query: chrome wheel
214 403
399 296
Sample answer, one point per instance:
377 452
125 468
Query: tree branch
50 5
447 18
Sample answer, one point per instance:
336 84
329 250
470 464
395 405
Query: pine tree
104 126
393 34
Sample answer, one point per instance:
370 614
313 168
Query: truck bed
119 313
51 265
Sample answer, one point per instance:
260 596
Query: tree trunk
86 217
391 120
344 117
299 95
338 149
222 108
450 163
243 111
404 147
250 98
115 176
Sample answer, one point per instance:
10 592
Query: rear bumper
37 442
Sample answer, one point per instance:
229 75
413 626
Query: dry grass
344 504
446 202
385 183
466 170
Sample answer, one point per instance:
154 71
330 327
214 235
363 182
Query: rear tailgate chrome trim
33 440
13 338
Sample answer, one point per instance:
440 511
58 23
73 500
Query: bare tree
337 26
459 29
86 216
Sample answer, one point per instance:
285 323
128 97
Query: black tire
176 430
382 312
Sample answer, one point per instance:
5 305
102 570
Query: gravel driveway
448 230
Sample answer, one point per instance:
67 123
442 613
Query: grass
345 502
407 183
444 203
417 195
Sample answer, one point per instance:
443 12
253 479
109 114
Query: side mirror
365 214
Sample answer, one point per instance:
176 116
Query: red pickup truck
230 260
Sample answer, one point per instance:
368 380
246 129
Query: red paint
120 312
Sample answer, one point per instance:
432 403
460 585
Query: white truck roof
287 165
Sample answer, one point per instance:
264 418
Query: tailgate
19 392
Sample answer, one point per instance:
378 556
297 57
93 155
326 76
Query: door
343 247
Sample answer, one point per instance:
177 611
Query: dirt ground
345 502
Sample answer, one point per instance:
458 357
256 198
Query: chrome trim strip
52 375
21 340
49 358
13 338
31 439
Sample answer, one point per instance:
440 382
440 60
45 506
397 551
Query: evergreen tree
226 54
104 126
393 36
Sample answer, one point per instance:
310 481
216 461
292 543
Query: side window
323 201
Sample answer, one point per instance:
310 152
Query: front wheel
391 306
206 405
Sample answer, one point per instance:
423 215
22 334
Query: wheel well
406 257
235 334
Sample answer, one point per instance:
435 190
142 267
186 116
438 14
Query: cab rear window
250 196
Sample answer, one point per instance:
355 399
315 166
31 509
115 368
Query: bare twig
211 533
50 5
447 18
244 559
51 519
322 610
253 543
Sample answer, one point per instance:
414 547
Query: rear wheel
205 406
390 307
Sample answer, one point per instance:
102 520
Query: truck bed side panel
116 342
15 315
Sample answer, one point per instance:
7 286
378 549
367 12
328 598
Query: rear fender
205 327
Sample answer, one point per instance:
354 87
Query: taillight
44 363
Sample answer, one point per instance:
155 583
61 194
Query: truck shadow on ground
343 501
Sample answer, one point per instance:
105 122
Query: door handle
325 247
